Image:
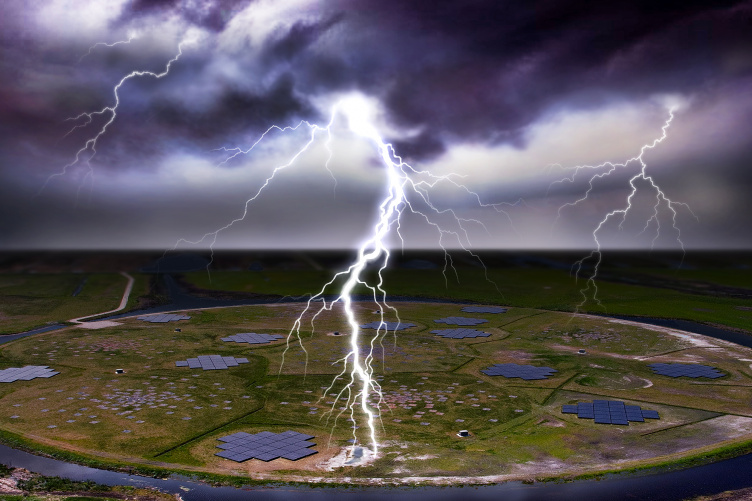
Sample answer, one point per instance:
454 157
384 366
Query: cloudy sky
512 96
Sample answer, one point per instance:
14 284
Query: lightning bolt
406 189
604 170
105 44
85 119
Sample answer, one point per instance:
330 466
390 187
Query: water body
181 300
6 338
676 485
80 287
697 328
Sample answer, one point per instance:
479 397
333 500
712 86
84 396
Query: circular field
166 415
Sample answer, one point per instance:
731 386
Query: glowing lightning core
406 189
362 390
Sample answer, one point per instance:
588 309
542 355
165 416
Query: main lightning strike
661 201
360 389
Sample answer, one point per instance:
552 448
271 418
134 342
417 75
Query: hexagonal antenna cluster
610 412
266 446
252 338
26 373
686 370
484 309
460 321
459 333
211 362
163 318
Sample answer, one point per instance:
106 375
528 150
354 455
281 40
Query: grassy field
432 387
545 289
31 300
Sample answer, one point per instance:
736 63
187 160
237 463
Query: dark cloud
484 71
235 111
208 14
296 39
451 72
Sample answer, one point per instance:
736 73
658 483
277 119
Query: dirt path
107 323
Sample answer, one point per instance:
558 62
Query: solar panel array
688 370
26 373
526 372
461 321
610 412
484 309
253 338
390 326
460 333
266 446
163 318
211 362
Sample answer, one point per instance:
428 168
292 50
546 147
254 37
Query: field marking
556 390
202 435
680 425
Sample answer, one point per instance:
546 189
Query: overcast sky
510 95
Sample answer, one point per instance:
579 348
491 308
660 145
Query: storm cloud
449 76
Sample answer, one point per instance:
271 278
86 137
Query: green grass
437 379
527 287
29 300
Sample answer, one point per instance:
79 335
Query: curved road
123 301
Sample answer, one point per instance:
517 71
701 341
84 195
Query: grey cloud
209 14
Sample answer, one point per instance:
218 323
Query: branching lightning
406 189
105 44
590 291
85 119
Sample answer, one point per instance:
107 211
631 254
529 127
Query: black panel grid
252 338
484 309
686 370
610 412
459 333
266 446
460 321
211 362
